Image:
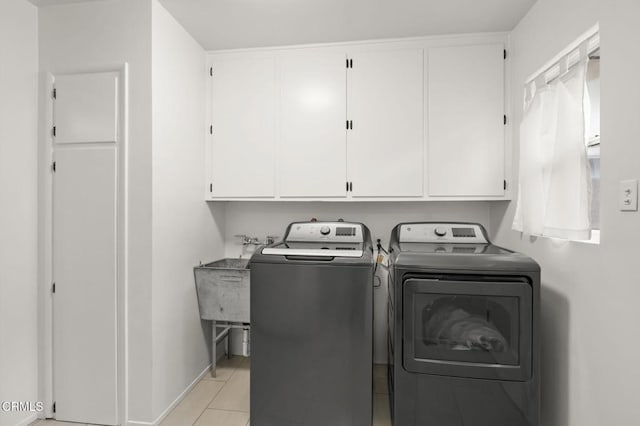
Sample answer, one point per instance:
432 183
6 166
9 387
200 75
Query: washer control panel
434 232
339 232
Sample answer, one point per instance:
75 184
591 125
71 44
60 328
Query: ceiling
229 24
224 24
55 2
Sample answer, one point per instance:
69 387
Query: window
559 185
592 134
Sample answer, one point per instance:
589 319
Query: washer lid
453 248
315 249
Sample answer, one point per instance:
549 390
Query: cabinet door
243 109
465 121
385 103
312 151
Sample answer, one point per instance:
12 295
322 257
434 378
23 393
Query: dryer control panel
436 232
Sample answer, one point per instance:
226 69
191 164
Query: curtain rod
587 37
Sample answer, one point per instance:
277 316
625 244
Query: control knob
440 231
325 230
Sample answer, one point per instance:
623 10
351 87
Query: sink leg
214 355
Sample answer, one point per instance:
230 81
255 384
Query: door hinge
53 167
211 71
211 187
211 129
55 94
504 185
54 407
505 54
504 119
53 288
53 131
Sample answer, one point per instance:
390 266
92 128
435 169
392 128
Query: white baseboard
28 420
173 405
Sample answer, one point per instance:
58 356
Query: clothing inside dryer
468 328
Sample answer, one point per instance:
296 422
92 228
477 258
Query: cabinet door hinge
53 167
55 94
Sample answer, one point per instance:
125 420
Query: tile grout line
227 410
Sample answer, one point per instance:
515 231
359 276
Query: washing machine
311 327
464 334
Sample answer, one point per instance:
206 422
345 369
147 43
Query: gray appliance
311 327
464 336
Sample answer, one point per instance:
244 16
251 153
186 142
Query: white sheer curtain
555 186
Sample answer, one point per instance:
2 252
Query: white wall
259 219
18 206
101 35
186 230
590 369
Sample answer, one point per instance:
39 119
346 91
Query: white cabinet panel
86 108
465 121
84 271
244 117
385 102
312 151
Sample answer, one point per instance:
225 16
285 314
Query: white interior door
385 146
84 267
465 121
243 108
312 151
85 259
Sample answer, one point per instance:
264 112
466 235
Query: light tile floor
224 400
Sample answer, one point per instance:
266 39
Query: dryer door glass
468 327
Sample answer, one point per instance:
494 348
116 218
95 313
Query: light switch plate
628 195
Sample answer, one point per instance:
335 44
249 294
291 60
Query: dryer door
479 327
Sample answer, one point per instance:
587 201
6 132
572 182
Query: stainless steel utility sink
223 290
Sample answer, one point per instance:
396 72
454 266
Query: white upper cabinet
244 126
86 108
385 144
465 121
415 119
312 151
